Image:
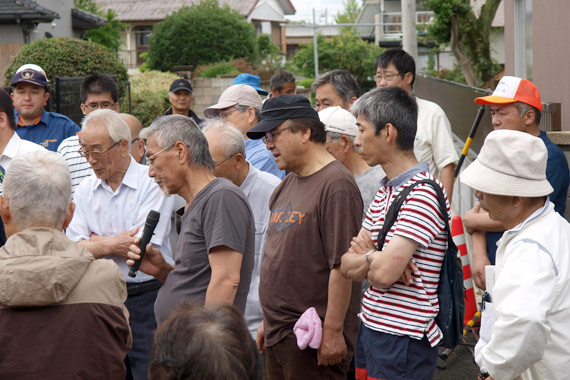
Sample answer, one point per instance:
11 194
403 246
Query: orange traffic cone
459 239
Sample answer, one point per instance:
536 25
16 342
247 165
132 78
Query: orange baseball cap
511 90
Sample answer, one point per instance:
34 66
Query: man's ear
69 216
84 109
240 160
251 115
116 106
408 78
352 100
346 143
529 117
5 210
4 121
391 133
182 151
46 98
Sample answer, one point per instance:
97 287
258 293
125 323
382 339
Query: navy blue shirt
557 174
49 132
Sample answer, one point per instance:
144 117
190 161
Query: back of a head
390 105
204 343
97 84
167 130
343 83
38 187
402 61
7 107
229 138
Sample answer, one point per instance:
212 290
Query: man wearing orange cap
515 105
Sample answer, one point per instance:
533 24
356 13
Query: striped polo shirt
408 309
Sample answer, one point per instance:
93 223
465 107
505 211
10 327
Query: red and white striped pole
458 235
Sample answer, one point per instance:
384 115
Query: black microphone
149 226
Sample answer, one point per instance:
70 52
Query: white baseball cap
339 120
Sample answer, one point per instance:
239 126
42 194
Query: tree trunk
456 44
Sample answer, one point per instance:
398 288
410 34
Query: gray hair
343 83
38 187
242 108
390 105
167 130
117 127
523 108
230 138
336 136
279 78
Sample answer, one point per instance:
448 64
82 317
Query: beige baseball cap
238 94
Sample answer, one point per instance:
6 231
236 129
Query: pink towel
309 329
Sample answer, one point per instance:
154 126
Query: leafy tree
456 25
108 35
200 34
350 13
346 51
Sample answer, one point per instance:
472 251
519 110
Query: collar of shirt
129 179
249 180
20 124
11 149
405 176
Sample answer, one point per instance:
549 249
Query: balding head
137 144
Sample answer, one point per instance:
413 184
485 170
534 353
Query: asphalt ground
459 365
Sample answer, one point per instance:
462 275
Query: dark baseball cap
180 84
279 109
30 74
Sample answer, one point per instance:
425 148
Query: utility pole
409 32
315 47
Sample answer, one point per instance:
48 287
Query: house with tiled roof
141 15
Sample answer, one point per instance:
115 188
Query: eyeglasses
332 139
387 77
94 154
135 140
150 159
221 162
103 105
270 136
223 114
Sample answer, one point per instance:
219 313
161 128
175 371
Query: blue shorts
381 356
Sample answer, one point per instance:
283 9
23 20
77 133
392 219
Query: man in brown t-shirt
314 211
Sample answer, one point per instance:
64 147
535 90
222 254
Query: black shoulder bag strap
392 213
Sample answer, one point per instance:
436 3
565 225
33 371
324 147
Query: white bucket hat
511 163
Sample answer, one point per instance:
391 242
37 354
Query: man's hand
407 277
152 264
333 347
480 259
260 339
469 219
117 244
353 263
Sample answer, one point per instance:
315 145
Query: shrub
346 51
214 70
200 34
149 95
71 57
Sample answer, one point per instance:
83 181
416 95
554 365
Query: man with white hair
228 152
240 105
529 338
112 207
341 129
62 312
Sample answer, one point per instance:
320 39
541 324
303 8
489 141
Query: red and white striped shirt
409 309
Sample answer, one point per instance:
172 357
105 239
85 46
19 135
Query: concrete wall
60 27
551 72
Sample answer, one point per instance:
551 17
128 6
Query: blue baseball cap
30 74
251 80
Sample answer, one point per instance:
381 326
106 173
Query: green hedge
149 95
70 57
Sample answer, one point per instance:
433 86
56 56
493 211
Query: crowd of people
271 233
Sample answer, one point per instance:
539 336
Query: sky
305 10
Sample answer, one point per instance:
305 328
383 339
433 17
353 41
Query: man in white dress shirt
111 209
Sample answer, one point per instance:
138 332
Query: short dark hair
97 84
7 106
402 61
318 132
206 343
279 78
390 105
343 83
